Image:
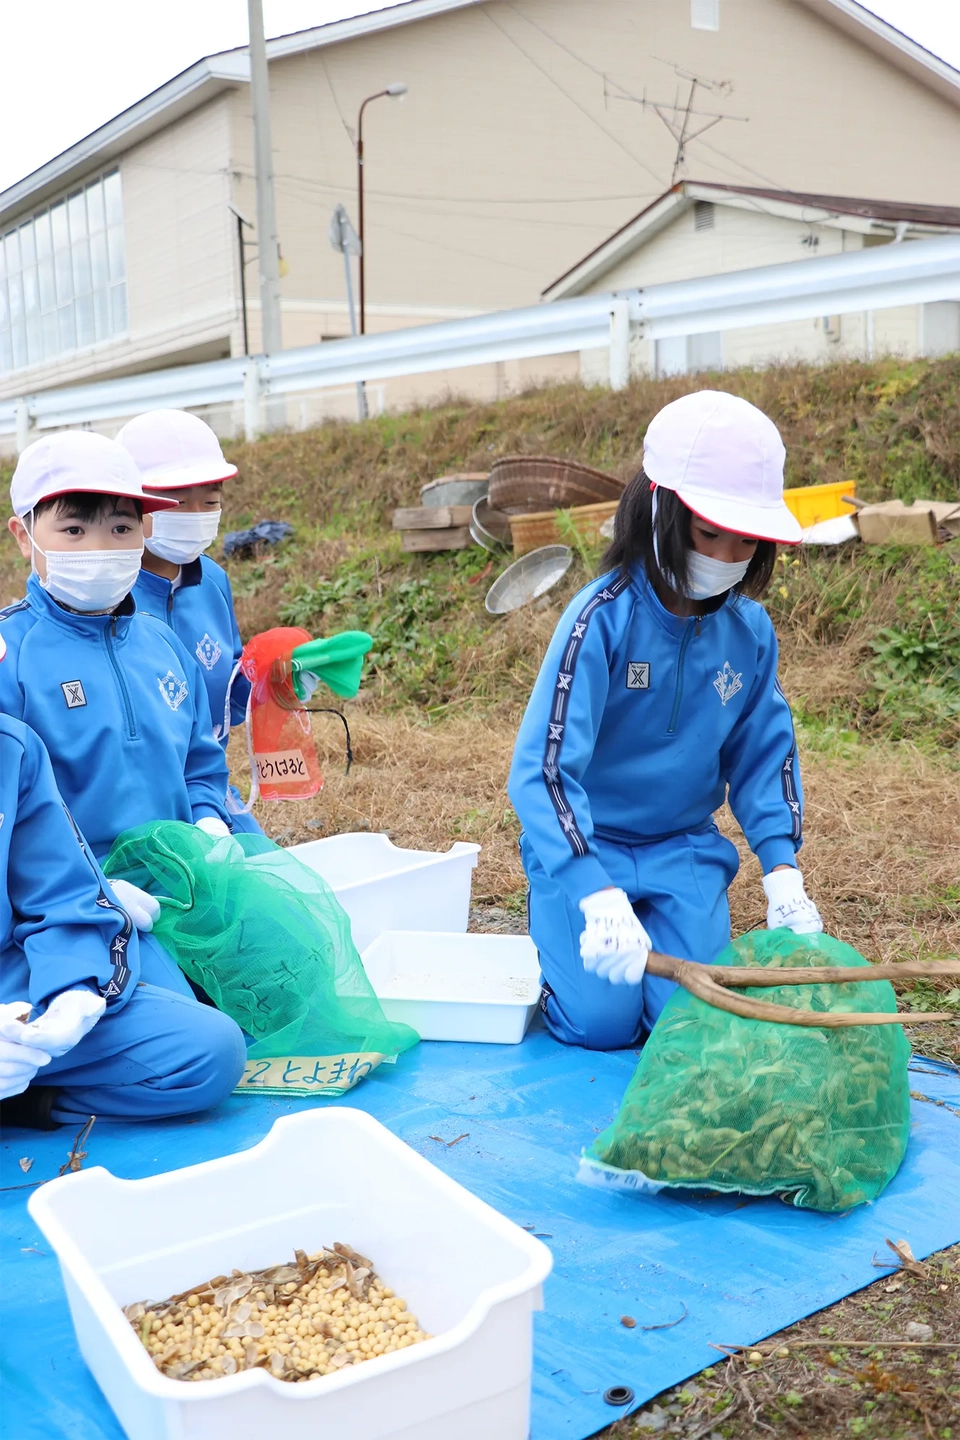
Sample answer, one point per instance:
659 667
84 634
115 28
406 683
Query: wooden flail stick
708 983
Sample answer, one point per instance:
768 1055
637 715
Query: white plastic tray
470 1276
456 987
382 887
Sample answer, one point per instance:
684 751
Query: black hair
633 542
87 506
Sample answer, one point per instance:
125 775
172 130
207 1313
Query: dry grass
821 1392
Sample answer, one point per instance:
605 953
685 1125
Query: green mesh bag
722 1103
265 937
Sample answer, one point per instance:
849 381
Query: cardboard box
925 522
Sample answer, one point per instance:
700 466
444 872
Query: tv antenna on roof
680 117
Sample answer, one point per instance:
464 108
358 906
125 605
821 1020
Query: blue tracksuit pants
678 888
162 1054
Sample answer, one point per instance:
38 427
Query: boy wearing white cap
180 460
114 696
658 698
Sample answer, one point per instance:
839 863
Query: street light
395 92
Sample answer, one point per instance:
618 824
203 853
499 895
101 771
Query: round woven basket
526 484
530 532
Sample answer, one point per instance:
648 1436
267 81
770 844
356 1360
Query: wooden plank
432 517
455 538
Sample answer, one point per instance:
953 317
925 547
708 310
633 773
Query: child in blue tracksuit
114 1033
113 695
657 700
179 458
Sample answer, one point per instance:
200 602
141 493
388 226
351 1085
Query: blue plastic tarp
735 1269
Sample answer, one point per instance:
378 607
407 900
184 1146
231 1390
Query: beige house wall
510 158
742 238
520 146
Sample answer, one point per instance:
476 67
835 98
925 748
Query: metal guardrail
910 273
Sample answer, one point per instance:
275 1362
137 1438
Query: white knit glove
614 945
142 908
69 1016
18 1063
789 907
213 825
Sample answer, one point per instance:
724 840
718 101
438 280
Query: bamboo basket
530 532
530 484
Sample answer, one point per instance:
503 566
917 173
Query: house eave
185 92
884 39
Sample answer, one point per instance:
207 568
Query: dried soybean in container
300 1321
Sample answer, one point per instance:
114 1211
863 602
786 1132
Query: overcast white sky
72 66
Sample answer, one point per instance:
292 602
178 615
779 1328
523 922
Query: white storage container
470 1276
384 888
456 987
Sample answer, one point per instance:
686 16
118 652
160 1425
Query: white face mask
179 536
90 580
707 577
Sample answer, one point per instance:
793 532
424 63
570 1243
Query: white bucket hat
174 449
724 459
77 460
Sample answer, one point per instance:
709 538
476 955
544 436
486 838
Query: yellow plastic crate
813 503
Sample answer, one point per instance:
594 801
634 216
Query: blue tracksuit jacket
60 928
200 612
122 710
640 720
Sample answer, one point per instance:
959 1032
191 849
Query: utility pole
268 249
242 255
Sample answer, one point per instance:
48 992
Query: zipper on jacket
678 692
121 683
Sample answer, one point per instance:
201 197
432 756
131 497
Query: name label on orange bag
282 765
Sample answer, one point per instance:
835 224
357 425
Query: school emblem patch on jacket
727 683
208 651
173 690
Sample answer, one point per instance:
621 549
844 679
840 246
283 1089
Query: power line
302 188
574 101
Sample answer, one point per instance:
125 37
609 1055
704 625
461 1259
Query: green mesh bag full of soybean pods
265 938
722 1103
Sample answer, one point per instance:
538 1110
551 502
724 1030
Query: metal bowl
528 578
490 528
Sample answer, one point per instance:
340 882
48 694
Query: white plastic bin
471 1277
456 987
382 887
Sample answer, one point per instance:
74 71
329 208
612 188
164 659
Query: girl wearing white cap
658 698
179 458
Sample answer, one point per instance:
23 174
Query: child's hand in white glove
789 907
69 1016
212 825
18 1065
142 908
614 945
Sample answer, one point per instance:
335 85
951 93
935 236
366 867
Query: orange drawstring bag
283 756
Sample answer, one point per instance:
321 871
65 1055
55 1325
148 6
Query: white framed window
686 354
705 14
63 277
